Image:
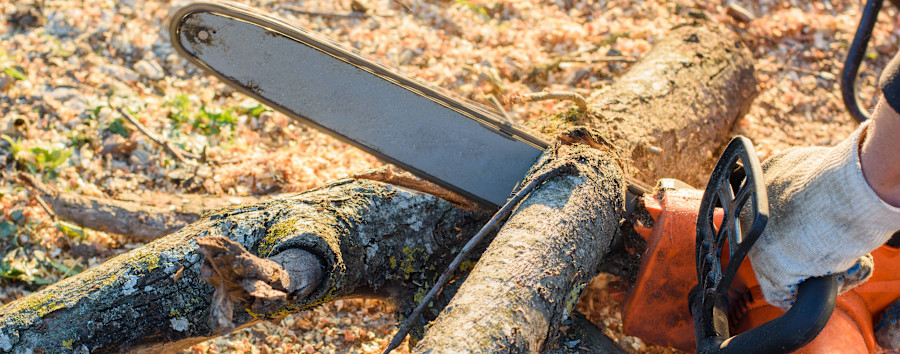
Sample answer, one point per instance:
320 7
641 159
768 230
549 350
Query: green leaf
7 229
38 281
50 159
256 111
118 127
17 216
67 271
15 73
14 146
9 271
474 7
70 230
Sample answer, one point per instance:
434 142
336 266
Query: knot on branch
261 286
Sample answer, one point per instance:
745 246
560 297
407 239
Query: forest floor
68 66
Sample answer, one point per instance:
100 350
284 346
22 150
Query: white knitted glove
823 219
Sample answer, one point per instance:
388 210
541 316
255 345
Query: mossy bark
371 239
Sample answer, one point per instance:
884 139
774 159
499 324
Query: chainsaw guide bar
458 144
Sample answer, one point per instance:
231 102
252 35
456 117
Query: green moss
68 343
42 303
144 260
408 264
275 234
420 294
551 125
286 310
393 262
329 297
467 266
109 281
573 297
174 313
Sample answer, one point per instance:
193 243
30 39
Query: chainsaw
692 280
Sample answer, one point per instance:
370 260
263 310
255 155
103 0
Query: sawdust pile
67 67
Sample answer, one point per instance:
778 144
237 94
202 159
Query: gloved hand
823 219
887 328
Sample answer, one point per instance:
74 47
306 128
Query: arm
879 153
829 207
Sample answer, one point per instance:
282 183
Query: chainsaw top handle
855 56
738 189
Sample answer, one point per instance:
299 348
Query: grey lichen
180 324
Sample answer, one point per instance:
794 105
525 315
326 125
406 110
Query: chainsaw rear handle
816 298
736 186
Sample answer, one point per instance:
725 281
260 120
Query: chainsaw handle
854 59
736 186
816 299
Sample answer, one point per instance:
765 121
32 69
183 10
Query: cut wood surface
376 240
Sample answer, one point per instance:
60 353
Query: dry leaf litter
67 67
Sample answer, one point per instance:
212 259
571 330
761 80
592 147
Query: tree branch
369 239
531 276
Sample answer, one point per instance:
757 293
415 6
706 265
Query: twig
297 10
613 59
179 154
445 277
395 176
824 75
404 5
575 53
354 14
553 95
46 207
30 182
497 104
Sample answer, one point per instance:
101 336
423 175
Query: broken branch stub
260 285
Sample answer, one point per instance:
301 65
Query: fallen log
376 240
138 221
673 110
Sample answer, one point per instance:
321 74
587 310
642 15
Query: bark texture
531 276
672 112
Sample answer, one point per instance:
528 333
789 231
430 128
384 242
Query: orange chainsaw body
656 306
